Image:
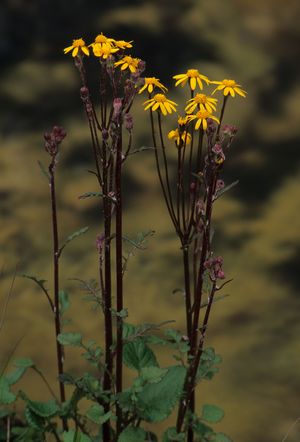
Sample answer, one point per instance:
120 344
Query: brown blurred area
257 328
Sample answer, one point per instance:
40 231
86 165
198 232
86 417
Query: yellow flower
178 137
121 44
103 40
151 83
128 62
202 102
182 121
160 101
103 50
193 76
229 87
78 45
201 117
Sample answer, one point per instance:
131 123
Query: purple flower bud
53 139
229 130
217 149
220 185
105 134
220 274
84 93
128 119
219 260
192 187
100 241
117 105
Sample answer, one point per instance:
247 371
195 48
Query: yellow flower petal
193 83
75 51
85 50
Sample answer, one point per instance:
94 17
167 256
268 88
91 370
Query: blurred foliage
257 229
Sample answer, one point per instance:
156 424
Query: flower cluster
53 139
214 265
105 48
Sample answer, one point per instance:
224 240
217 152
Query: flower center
160 98
203 114
192 73
100 39
78 43
229 83
200 98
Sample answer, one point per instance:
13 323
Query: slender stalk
222 114
107 291
186 267
119 275
172 215
56 253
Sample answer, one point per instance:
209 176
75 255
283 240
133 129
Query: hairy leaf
15 376
34 420
171 435
156 401
212 413
152 375
90 195
41 409
6 396
64 301
137 355
75 436
132 434
24 362
72 338
96 414
221 437
73 236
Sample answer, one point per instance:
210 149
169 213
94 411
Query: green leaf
230 186
156 401
171 435
221 437
34 420
90 195
201 429
44 170
39 282
72 338
64 302
137 355
132 434
212 413
6 396
75 436
152 375
41 409
15 376
96 414
73 236
24 362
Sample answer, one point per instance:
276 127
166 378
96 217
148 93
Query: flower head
193 77
201 117
78 46
180 137
128 62
160 101
151 83
202 102
121 44
182 121
103 40
104 50
229 87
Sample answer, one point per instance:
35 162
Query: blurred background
257 328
